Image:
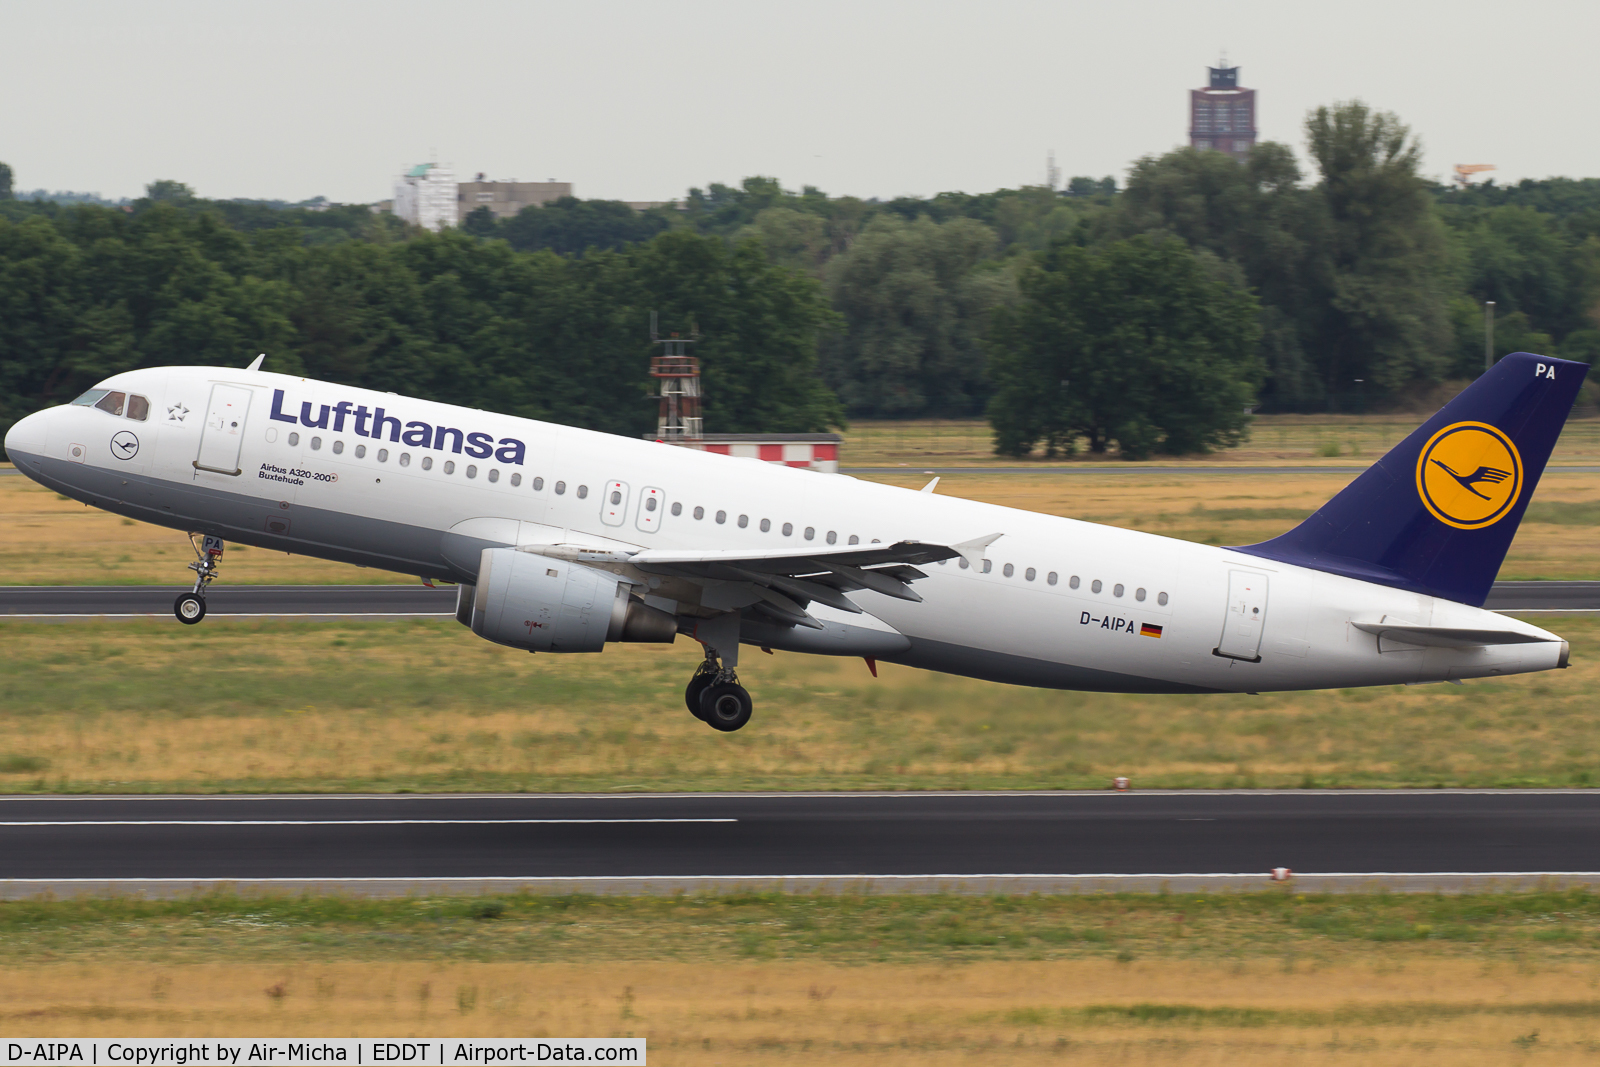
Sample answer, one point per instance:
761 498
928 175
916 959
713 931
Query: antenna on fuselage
255 364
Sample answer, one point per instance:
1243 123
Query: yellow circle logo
1469 475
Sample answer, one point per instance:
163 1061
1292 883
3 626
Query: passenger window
583 492
316 444
722 516
788 528
1073 582
744 520
1051 577
1116 590
338 447
1095 586
616 497
361 451
649 503
766 525
854 539
405 459
138 408
449 466
700 513
1161 598
516 480
811 533
987 566
1008 570
1030 574
383 455
832 537
427 463
538 484
472 470
561 488
1138 594
112 403
294 439
494 475
964 563
677 509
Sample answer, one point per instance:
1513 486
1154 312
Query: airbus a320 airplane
565 539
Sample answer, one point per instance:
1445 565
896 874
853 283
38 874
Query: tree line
1146 317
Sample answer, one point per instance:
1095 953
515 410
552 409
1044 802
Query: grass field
425 705
1246 978
49 540
1291 440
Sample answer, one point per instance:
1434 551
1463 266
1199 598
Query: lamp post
1488 334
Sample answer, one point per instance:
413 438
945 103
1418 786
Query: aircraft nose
26 436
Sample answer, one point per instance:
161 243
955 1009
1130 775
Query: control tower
1222 116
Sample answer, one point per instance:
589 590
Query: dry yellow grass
1322 440
1241 509
48 540
265 705
1376 1008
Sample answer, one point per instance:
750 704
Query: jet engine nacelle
549 605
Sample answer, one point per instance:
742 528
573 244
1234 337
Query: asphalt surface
334 601
734 838
404 601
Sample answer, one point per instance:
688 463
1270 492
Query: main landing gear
190 608
715 696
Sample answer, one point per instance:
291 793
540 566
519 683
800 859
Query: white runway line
61 823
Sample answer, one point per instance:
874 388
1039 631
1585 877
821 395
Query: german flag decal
1148 630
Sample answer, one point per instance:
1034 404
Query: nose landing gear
715 696
190 608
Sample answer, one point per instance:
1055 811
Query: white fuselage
1057 602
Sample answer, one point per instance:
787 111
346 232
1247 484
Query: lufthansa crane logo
1469 475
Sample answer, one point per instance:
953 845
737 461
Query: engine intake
547 605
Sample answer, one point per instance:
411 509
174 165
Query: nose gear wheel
190 608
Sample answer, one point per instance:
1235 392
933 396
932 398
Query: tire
725 706
189 608
691 695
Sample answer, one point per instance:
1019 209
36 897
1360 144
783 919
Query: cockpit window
112 402
91 397
138 407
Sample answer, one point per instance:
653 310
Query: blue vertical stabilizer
1437 513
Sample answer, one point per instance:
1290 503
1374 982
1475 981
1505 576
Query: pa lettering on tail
1437 514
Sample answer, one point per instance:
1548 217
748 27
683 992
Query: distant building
1222 116
425 196
505 199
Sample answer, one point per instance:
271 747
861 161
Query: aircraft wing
781 582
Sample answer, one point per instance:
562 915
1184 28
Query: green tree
1256 216
915 303
168 191
1382 267
1134 343
5 182
570 226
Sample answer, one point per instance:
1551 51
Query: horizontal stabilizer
1447 636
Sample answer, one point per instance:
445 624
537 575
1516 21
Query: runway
61 603
986 842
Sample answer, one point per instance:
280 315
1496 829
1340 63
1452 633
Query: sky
640 101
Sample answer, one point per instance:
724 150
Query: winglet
255 364
972 551
929 487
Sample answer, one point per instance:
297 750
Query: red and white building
1222 116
